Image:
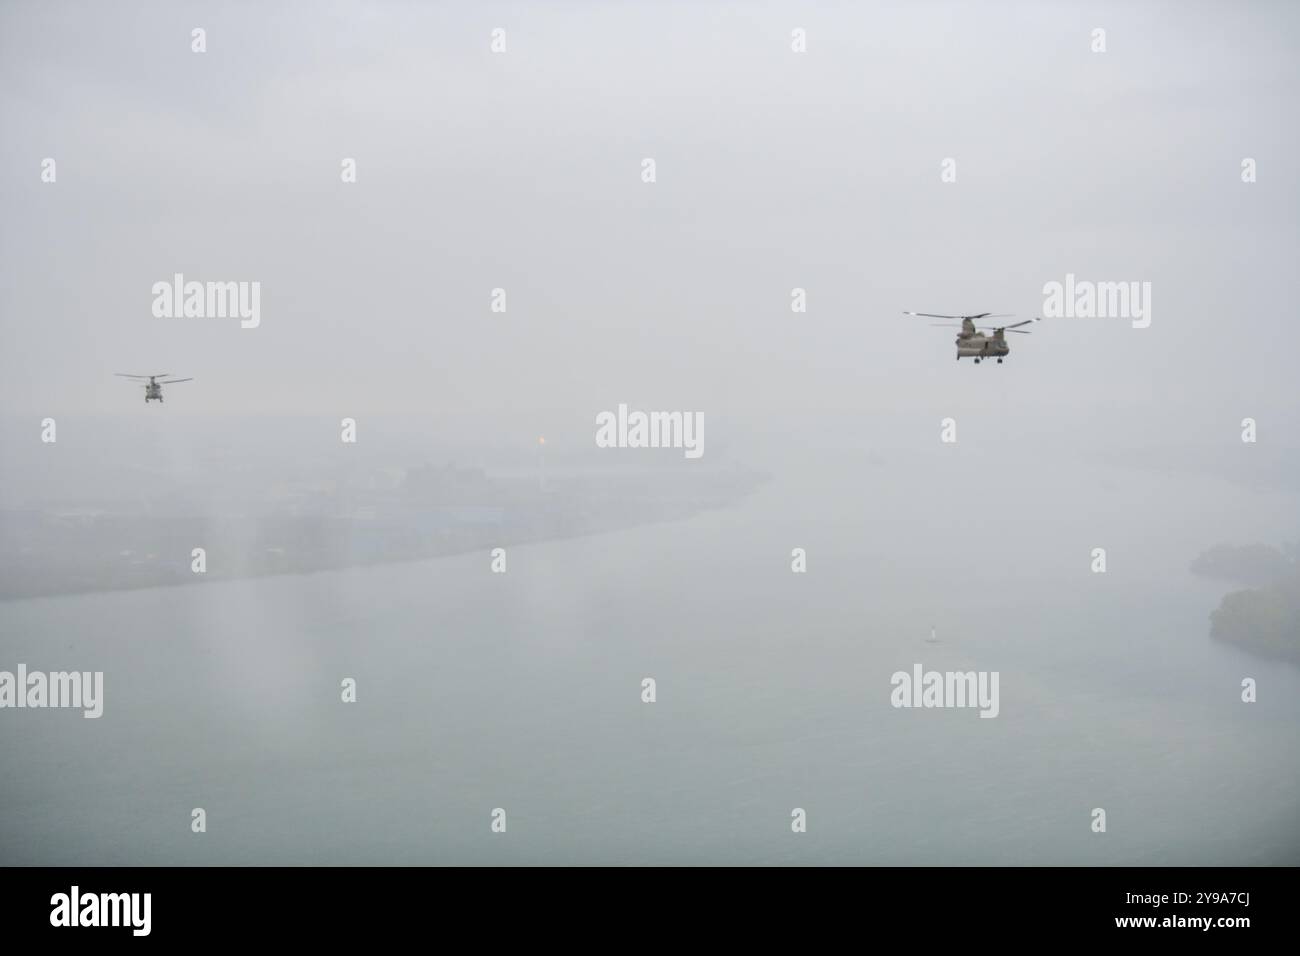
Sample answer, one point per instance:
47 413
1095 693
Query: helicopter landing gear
999 361
977 361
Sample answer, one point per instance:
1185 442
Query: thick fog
460 248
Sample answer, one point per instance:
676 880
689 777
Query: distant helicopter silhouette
153 387
974 343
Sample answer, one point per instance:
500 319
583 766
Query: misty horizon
416 274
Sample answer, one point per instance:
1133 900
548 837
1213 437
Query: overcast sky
522 170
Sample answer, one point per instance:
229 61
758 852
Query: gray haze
521 170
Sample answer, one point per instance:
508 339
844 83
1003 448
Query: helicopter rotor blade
981 315
124 375
173 381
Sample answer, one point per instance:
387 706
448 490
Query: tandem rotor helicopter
153 387
974 343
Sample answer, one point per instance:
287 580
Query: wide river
522 691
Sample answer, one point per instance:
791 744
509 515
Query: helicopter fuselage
979 346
